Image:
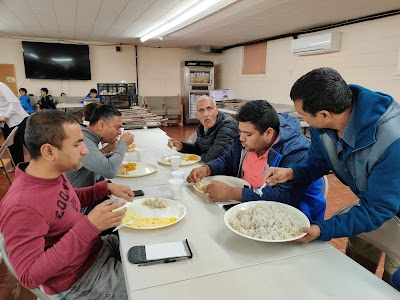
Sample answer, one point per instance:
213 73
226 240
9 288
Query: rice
155 203
266 222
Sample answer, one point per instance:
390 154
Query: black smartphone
138 193
229 206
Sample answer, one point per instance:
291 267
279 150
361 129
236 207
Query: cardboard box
222 94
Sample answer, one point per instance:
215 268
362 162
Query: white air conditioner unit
317 44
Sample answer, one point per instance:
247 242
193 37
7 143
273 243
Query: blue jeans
104 279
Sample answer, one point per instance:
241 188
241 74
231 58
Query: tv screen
56 61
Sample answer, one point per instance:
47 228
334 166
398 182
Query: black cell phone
138 193
229 206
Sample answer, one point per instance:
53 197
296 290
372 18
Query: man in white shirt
12 114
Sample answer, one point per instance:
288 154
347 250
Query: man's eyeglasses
202 110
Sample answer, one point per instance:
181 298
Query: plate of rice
153 213
186 159
136 169
266 221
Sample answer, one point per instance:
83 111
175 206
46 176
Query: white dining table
227 265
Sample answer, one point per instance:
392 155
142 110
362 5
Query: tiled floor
338 196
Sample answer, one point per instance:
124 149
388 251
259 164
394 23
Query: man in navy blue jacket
355 133
266 139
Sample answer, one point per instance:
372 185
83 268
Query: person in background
105 126
12 114
46 101
25 100
50 243
266 139
92 94
355 133
215 134
87 112
63 95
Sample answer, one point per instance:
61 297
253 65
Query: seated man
266 139
25 101
214 135
49 242
46 101
93 94
105 126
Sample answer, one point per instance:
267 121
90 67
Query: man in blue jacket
355 133
266 139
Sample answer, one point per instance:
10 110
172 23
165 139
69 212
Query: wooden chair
4 162
37 292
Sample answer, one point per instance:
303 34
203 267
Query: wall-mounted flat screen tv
56 61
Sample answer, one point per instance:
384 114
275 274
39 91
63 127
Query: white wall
160 69
368 56
106 65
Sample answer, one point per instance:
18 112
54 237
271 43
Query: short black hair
24 90
45 90
259 113
102 112
93 91
88 110
46 127
322 89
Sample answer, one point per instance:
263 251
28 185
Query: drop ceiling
123 21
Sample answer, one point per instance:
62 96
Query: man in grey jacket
215 134
105 126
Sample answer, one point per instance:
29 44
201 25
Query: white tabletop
326 274
230 266
215 248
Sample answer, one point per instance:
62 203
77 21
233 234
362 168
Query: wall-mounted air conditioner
317 44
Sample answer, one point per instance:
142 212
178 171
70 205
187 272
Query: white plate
297 214
229 180
165 161
142 169
173 210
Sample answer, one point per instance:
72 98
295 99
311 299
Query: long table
230 266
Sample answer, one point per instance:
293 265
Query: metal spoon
123 224
258 191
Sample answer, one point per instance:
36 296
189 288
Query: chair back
9 141
386 237
325 186
4 149
37 292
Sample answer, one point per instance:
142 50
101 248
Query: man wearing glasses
215 134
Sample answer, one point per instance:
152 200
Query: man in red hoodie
49 242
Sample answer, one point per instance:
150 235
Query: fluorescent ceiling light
179 19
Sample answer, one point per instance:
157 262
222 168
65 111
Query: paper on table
165 250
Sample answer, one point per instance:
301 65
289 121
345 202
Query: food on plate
131 147
190 157
202 187
138 221
266 222
126 168
155 203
